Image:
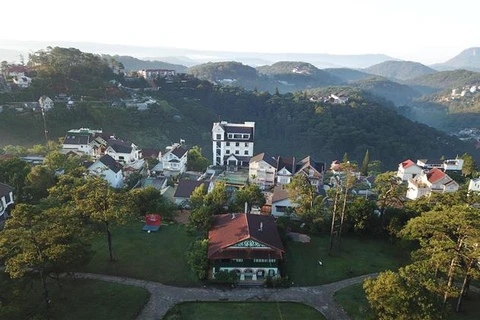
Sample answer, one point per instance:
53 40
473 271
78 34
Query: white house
79 140
474 185
262 169
108 169
285 169
232 143
408 169
434 180
45 103
174 161
281 204
22 81
6 199
122 151
154 73
453 165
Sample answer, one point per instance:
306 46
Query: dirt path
164 297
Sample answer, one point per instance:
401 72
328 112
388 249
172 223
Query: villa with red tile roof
408 170
247 244
425 183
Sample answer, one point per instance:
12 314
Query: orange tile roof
435 175
407 163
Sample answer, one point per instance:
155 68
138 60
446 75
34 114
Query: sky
427 31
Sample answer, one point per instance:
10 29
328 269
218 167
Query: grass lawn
242 311
358 256
354 302
78 299
157 256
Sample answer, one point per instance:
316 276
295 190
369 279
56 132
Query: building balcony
246 263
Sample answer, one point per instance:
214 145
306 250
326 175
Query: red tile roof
229 229
407 163
435 175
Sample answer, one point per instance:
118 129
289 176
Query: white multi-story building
109 169
408 170
262 170
174 161
233 143
474 185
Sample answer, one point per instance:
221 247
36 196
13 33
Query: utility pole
44 126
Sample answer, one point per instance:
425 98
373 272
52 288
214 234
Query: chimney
261 227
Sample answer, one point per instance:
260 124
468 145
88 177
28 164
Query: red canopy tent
152 222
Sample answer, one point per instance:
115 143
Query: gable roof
435 175
185 188
229 229
407 163
309 162
150 153
110 163
279 193
286 162
5 189
264 157
179 151
120 146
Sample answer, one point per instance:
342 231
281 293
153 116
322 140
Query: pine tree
365 163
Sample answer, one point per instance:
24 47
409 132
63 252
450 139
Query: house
474 185
17 70
122 151
22 81
285 169
232 143
185 189
408 169
150 153
281 203
262 169
156 73
6 199
45 103
79 140
159 183
312 170
174 161
109 169
247 244
425 183
445 165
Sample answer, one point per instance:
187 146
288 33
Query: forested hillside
401 70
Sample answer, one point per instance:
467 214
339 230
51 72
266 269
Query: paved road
164 297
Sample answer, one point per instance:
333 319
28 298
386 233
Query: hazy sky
428 31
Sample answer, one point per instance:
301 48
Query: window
246 136
237 260
237 136
246 152
237 144
230 136
246 144
264 260
219 136
227 151
228 144
237 152
121 158
219 144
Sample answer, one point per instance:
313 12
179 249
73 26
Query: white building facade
232 143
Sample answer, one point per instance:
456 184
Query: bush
226 277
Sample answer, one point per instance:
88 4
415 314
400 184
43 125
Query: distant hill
399 94
296 72
348 75
444 80
181 60
220 71
467 59
401 70
131 63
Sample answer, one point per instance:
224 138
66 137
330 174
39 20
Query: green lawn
242 311
157 256
77 299
354 302
358 256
